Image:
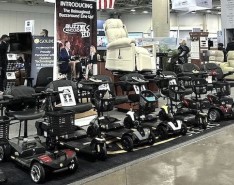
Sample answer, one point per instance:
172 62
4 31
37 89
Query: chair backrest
115 29
189 67
216 56
45 76
22 98
213 67
62 83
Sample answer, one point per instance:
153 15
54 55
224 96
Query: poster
67 97
76 23
42 54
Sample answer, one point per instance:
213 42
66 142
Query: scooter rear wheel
214 115
127 143
37 173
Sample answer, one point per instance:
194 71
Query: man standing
3 59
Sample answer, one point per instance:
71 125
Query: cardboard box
86 114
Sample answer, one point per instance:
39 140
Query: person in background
183 51
220 47
92 62
44 33
65 55
4 47
230 46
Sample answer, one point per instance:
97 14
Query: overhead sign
191 5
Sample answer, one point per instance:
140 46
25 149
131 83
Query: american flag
105 4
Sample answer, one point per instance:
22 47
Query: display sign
227 15
67 97
77 23
42 54
191 5
29 26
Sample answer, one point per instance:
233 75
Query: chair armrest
227 69
223 65
121 43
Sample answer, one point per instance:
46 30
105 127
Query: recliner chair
229 65
122 54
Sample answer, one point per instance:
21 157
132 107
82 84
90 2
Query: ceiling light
219 13
3 1
193 11
208 11
133 10
218 7
145 11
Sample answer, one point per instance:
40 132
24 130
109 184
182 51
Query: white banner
191 5
29 26
227 15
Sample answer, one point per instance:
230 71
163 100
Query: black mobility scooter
59 126
28 151
104 101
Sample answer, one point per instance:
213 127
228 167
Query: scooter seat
26 115
121 99
78 108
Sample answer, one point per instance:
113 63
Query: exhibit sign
227 15
191 5
42 54
76 22
29 26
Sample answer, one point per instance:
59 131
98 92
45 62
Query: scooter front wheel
151 139
2 153
101 153
73 166
184 129
127 143
214 115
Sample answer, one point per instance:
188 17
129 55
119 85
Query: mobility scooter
104 101
59 127
146 114
29 151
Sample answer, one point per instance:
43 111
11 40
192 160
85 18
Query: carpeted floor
18 175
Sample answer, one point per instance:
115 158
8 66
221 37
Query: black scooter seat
78 108
26 115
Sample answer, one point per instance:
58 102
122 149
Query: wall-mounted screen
21 42
101 42
137 36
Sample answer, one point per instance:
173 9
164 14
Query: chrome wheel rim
35 173
212 115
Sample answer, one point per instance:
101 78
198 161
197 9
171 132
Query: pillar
161 18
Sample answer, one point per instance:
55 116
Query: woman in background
92 62
183 51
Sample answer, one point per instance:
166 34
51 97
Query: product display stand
199 44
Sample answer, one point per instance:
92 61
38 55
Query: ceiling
121 6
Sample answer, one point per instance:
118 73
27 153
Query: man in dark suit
3 59
230 46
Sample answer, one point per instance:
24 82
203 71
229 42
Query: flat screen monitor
101 42
21 42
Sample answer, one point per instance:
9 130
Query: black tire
128 123
127 143
74 165
184 129
2 153
214 115
162 132
37 173
102 154
151 139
